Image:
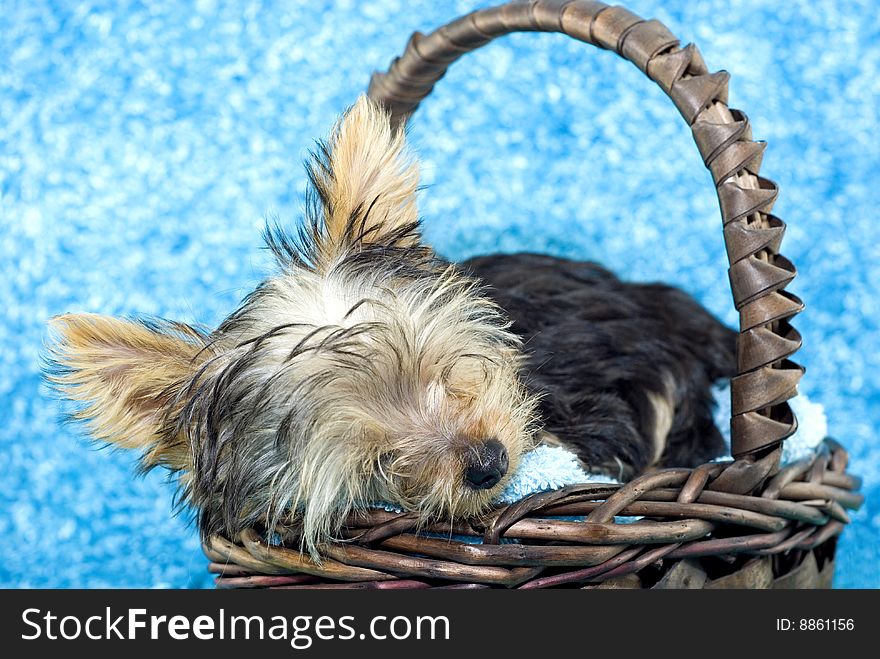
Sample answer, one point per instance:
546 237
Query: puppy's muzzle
486 465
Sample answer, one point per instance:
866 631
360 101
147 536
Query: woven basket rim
798 509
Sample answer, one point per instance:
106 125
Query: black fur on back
597 345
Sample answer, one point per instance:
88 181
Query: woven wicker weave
742 523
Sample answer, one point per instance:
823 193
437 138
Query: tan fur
125 375
664 414
369 170
397 428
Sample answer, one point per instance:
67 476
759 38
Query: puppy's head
367 370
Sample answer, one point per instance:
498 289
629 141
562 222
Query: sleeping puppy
368 368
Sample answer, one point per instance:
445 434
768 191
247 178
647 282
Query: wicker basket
744 523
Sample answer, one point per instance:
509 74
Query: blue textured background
143 145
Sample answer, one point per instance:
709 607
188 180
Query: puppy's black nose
487 465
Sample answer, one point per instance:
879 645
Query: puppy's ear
127 378
366 182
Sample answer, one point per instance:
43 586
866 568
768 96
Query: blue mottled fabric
144 145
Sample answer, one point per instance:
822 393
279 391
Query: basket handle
766 378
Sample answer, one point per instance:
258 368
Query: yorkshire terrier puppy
370 369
